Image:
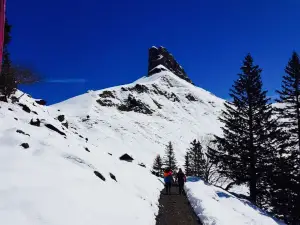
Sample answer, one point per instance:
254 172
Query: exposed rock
10 109
66 124
124 89
14 99
113 177
139 88
22 132
131 104
87 149
107 94
3 99
35 112
142 165
25 145
99 175
110 154
16 118
161 56
36 123
169 96
126 157
41 102
157 70
174 98
156 103
191 97
51 127
25 108
105 102
61 118
86 119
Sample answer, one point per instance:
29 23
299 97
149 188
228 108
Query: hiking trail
175 209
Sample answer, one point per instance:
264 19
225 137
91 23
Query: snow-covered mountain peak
142 117
161 56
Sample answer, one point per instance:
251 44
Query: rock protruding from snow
161 56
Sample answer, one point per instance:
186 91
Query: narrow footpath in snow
175 209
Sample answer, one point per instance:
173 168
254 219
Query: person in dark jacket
181 179
168 178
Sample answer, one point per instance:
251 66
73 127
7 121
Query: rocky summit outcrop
161 56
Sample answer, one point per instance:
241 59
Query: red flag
2 25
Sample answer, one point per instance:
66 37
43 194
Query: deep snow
215 206
53 181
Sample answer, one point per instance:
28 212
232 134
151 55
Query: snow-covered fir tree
8 82
169 160
196 158
187 164
286 199
158 165
251 137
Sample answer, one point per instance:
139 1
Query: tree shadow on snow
262 212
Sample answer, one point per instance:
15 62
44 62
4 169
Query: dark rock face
107 94
139 88
113 177
41 102
132 104
126 157
25 108
191 98
99 175
66 125
25 145
36 123
51 127
161 56
142 165
105 102
22 132
61 118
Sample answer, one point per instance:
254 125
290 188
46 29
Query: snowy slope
215 206
53 181
171 109
56 180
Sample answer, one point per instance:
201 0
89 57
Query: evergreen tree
8 82
169 158
196 157
251 136
157 165
287 195
187 165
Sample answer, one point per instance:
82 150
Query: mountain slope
54 181
140 118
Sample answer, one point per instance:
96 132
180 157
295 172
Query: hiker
181 179
168 180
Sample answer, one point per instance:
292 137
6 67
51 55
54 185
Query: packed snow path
175 209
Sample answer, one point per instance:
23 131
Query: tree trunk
252 151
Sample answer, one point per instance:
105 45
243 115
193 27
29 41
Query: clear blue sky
106 42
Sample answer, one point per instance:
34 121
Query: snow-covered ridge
53 179
141 117
60 164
